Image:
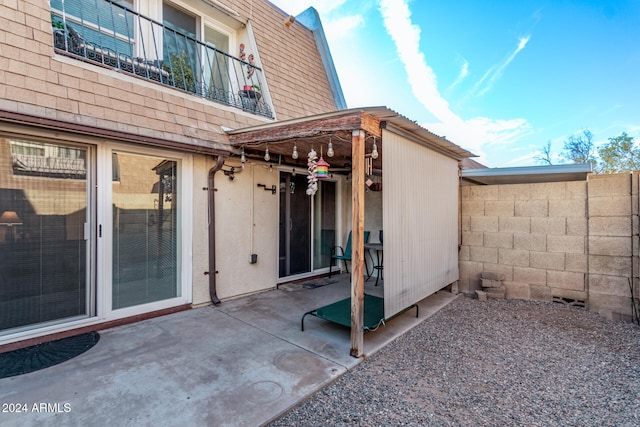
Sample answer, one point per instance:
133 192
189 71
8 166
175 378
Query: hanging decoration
322 169
250 68
312 185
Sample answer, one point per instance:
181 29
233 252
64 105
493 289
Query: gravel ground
494 363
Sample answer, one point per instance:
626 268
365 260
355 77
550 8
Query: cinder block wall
568 242
613 243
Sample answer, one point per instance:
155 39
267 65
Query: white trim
185 233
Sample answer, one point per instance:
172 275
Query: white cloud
340 28
494 73
473 134
464 72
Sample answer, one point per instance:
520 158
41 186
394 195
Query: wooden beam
305 128
357 244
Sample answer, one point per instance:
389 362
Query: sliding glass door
307 225
45 233
145 200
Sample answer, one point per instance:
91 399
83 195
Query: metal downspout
212 231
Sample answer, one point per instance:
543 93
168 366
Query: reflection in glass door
145 239
295 225
44 234
300 242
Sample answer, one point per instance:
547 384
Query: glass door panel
324 224
44 222
216 70
295 225
145 237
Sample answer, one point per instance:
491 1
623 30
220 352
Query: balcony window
183 50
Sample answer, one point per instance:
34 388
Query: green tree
620 154
580 148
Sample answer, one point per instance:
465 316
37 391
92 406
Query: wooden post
357 243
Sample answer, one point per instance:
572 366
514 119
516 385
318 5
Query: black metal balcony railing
104 32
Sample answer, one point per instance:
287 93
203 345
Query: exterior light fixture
266 154
243 159
330 151
295 151
374 153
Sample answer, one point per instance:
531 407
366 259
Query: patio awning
336 127
352 134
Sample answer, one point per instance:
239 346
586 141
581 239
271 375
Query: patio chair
345 254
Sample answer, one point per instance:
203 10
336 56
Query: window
104 23
45 273
47 160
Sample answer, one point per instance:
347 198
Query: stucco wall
565 241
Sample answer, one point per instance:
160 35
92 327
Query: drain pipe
212 231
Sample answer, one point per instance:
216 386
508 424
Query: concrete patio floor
242 363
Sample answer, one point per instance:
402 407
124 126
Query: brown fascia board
308 126
80 129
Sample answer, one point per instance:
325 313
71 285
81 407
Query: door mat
40 356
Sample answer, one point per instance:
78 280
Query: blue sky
499 78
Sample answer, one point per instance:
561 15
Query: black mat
40 356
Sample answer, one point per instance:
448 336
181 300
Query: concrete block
606 305
488 283
495 293
501 270
566 280
493 275
482 296
473 207
612 246
610 265
532 208
470 275
540 293
609 184
567 244
609 206
575 262
463 254
610 226
577 226
500 208
465 192
515 224
473 238
567 208
569 294
498 240
549 190
530 276
556 226
609 285
514 192
482 254
576 189
484 223
530 242
482 192
547 261
465 223
515 257
514 290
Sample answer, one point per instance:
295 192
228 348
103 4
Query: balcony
114 35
